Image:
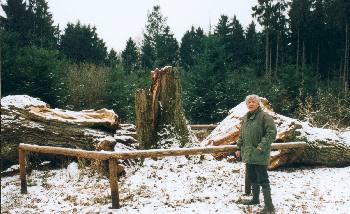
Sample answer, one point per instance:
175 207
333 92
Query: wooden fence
203 126
112 158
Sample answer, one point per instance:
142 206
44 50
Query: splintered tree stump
160 117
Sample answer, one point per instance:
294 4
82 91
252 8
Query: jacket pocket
257 156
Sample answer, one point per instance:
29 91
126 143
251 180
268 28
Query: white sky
117 20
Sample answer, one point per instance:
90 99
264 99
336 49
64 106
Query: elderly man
258 131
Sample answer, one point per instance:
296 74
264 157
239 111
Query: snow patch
73 171
21 101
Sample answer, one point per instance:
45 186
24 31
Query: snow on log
325 146
25 119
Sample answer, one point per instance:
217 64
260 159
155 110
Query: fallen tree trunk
326 147
35 123
160 120
316 153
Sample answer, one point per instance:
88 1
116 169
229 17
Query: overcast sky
117 20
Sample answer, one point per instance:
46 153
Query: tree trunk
160 119
346 60
276 69
267 54
270 62
317 153
318 60
340 73
303 56
298 51
30 126
320 149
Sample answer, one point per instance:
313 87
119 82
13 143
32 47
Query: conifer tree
147 54
130 57
80 43
44 32
192 45
252 45
238 44
166 49
159 41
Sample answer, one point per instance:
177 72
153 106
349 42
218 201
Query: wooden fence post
113 180
22 170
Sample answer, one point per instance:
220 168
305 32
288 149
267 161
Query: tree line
299 61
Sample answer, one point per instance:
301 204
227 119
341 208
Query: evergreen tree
223 31
238 45
299 16
16 20
192 45
318 36
130 56
205 86
166 49
34 71
112 59
147 54
80 43
338 19
263 12
155 26
279 30
44 33
158 42
33 23
252 45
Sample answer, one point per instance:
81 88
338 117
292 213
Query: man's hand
259 149
238 154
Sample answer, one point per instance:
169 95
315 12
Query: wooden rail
193 126
112 158
203 126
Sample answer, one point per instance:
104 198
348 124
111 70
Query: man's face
252 105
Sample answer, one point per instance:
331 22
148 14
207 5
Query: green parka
258 131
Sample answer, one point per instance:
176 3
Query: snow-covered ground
180 184
176 185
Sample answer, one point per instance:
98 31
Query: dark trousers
257 174
247 183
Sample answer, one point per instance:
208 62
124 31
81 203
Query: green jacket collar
252 115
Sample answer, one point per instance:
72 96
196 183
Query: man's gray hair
252 97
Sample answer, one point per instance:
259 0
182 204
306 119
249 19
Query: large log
27 120
325 147
160 119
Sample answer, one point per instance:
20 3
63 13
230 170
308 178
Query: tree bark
276 69
270 62
160 117
318 60
267 53
303 56
320 150
298 51
317 153
22 125
346 60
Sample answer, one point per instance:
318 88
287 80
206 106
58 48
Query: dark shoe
255 199
252 201
268 208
